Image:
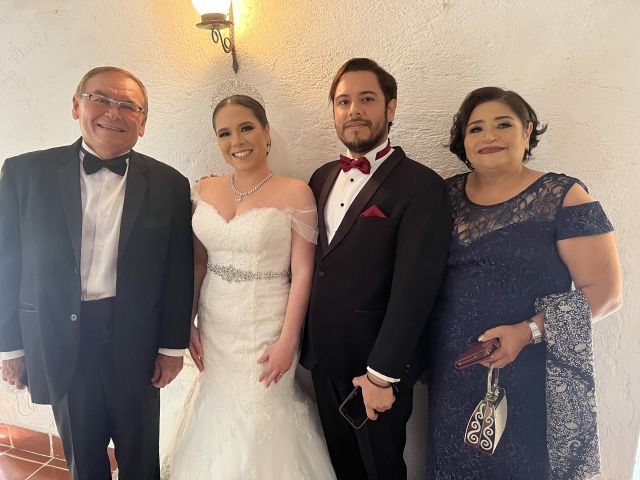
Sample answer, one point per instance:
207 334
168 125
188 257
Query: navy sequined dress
502 257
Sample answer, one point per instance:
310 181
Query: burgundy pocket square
373 211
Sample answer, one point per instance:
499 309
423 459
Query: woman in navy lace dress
519 235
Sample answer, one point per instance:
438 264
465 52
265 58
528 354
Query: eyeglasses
129 108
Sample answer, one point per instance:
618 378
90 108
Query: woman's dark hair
244 101
520 107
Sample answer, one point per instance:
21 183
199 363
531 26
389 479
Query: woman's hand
277 359
195 348
513 338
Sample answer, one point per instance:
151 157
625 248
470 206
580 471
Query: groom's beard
360 142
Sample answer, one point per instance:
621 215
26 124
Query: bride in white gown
255 235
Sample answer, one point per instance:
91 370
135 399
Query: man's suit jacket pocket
29 316
30 325
374 220
378 228
27 307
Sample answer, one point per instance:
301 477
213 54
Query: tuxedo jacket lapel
361 199
133 196
69 182
322 202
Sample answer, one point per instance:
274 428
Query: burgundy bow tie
362 163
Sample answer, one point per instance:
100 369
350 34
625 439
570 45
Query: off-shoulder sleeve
195 192
305 223
582 220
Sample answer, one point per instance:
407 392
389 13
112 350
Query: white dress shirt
346 189
342 194
102 195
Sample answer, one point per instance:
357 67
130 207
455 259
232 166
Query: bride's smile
242 139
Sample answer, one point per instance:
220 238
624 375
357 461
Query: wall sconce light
213 14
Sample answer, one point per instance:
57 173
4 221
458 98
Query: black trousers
95 410
374 452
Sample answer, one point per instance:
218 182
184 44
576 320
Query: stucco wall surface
577 63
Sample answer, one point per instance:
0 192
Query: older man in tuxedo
385 225
96 280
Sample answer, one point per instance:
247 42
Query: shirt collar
371 154
88 149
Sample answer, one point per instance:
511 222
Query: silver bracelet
536 334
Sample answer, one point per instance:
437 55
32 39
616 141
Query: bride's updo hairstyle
245 101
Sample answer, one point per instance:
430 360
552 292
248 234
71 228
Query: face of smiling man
360 112
108 130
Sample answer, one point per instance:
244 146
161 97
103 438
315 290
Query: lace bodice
539 202
258 240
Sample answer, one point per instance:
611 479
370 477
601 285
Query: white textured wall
576 62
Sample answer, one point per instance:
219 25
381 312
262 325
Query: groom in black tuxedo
96 280
385 225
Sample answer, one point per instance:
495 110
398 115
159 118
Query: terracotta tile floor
29 455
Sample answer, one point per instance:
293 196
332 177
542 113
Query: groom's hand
13 372
167 368
376 399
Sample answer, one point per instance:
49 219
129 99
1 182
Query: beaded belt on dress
232 274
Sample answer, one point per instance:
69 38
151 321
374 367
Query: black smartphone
353 409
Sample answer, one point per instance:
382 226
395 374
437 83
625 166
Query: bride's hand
277 359
195 348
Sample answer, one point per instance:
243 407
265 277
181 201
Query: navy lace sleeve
582 220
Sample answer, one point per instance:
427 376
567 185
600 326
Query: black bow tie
92 164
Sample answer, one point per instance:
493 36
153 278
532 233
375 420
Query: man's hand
376 399
167 368
13 372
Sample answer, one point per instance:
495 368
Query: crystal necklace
241 195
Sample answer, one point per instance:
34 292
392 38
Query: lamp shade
212 6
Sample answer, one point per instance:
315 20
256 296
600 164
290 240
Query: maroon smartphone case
477 352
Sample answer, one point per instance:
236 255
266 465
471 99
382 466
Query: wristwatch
536 334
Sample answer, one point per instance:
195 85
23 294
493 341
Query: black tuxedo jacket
375 284
40 292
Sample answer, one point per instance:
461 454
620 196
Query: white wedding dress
233 427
